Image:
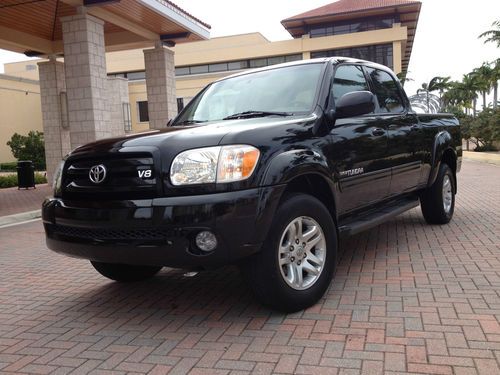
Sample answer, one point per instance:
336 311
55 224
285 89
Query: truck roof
334 59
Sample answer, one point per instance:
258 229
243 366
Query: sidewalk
486 157
14 201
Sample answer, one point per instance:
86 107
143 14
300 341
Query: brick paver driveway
407 297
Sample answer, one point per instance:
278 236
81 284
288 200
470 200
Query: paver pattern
13 201
407 297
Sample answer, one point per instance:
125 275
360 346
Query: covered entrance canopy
79 102
34 27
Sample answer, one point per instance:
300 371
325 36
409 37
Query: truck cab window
348 78
386 91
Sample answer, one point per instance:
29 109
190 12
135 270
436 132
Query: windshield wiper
190 122
249 114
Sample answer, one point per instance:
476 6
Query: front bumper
162 231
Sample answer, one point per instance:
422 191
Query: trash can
25 174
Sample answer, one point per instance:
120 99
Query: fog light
206 241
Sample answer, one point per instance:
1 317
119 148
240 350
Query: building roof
349 6
342 10
34 26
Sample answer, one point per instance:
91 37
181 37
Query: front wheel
125 272
438 201
296 264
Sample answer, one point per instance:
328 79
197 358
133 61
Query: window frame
139 111
331 100
404 100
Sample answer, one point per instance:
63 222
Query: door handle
415 127
378 132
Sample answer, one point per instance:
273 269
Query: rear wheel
297 262
125 272
438 201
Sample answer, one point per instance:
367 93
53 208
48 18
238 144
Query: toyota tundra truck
265 169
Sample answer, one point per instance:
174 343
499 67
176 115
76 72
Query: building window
380 53
127 123
180 104
135 76
235 65
142 110
348 27
30 67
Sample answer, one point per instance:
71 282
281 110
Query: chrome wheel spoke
298 279
310 269
310 233
310 245
312 258
284 261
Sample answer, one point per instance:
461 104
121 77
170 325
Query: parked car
265 169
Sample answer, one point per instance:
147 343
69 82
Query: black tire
432 202
125 272
267 278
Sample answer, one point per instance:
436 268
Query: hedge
8 167
10 180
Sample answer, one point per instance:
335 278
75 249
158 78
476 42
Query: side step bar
374 218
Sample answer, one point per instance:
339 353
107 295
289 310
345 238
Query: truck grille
115 234
122 179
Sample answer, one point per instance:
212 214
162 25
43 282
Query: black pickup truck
265 169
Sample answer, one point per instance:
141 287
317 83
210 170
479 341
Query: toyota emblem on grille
97 173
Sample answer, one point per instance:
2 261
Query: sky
446 41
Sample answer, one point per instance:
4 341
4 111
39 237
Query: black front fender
293 163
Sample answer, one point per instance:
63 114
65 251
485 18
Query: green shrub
10 180
29 147
8 167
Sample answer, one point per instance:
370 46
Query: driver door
359 147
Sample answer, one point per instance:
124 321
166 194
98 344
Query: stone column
118 104
52 83
86 79
160 83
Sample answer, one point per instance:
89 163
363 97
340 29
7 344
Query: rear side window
386 91
348 78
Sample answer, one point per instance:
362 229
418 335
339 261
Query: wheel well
315 185
450 159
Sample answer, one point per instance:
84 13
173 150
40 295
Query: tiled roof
350 6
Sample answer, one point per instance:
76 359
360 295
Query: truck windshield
276 92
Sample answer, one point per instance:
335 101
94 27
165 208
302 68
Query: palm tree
469 88
436 83
403 77
495 75
484 78
493 35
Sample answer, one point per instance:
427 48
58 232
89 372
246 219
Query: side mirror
355 103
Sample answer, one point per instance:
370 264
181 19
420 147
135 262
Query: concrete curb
485 157
18 218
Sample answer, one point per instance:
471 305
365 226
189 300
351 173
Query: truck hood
180 138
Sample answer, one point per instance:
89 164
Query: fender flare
290 164
443 141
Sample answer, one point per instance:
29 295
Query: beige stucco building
377 30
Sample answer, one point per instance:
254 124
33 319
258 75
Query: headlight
57 180
214 165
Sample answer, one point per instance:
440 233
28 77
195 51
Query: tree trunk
495 94
474 107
